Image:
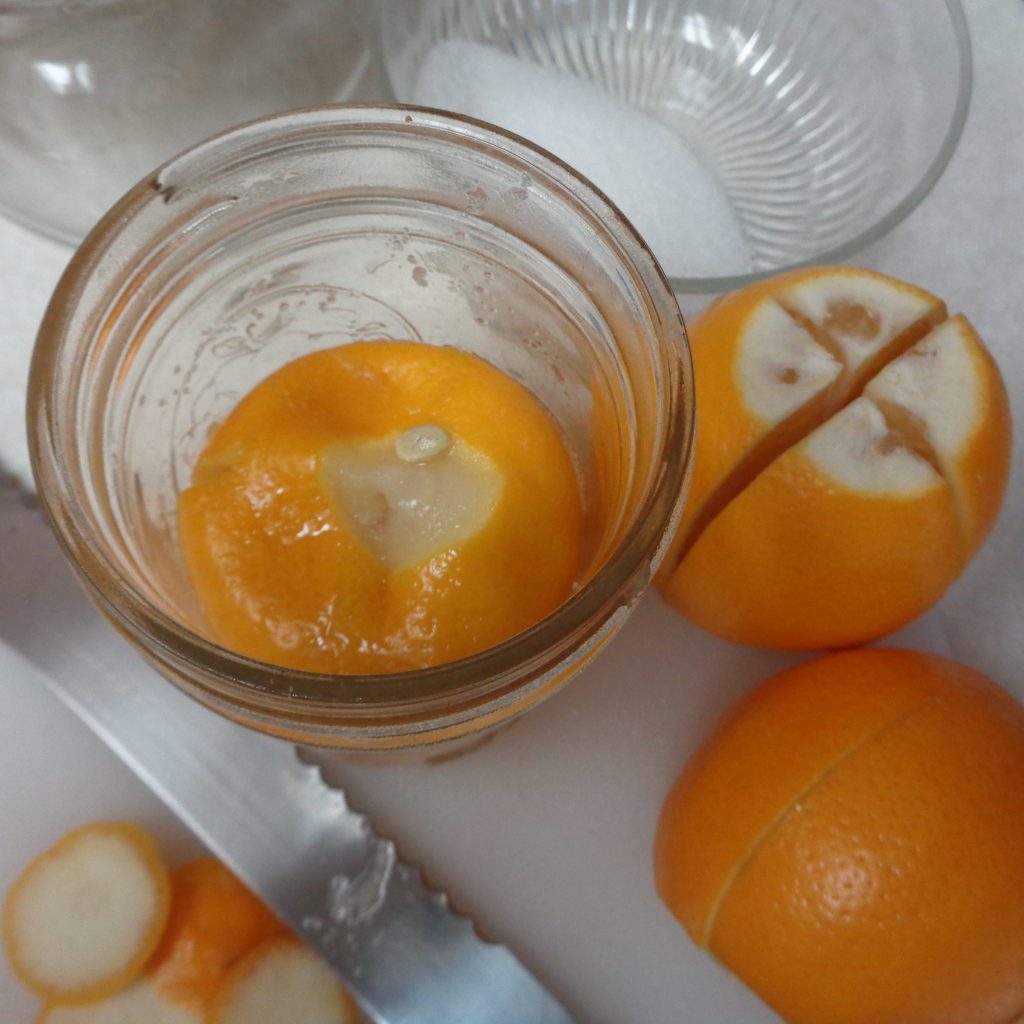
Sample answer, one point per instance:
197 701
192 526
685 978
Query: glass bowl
96 93
326 227
826 122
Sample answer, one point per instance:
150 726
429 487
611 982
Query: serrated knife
404 953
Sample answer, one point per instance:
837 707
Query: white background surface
545 834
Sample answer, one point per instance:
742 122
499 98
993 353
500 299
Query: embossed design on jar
293 319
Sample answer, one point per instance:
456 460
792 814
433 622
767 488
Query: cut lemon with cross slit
380 507
853 451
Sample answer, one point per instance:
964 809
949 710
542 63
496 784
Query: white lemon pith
410 496
857 449
781 367
860 315
283 981
823 332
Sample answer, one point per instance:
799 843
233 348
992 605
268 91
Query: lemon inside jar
381 507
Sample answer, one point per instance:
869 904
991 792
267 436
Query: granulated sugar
672 197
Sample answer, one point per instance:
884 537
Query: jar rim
479 675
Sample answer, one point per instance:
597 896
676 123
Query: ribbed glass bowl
826 121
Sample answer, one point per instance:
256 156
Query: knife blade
407 957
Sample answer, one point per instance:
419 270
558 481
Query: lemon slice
283 980
83 918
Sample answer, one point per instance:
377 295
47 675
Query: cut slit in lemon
781 360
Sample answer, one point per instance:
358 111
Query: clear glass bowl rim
479 676
838 253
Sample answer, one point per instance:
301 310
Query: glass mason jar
96 93
323 227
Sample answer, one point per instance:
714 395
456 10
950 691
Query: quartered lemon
853 448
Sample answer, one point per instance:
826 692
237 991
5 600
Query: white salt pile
672 197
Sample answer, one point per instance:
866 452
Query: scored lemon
379 507
853 448
847 841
